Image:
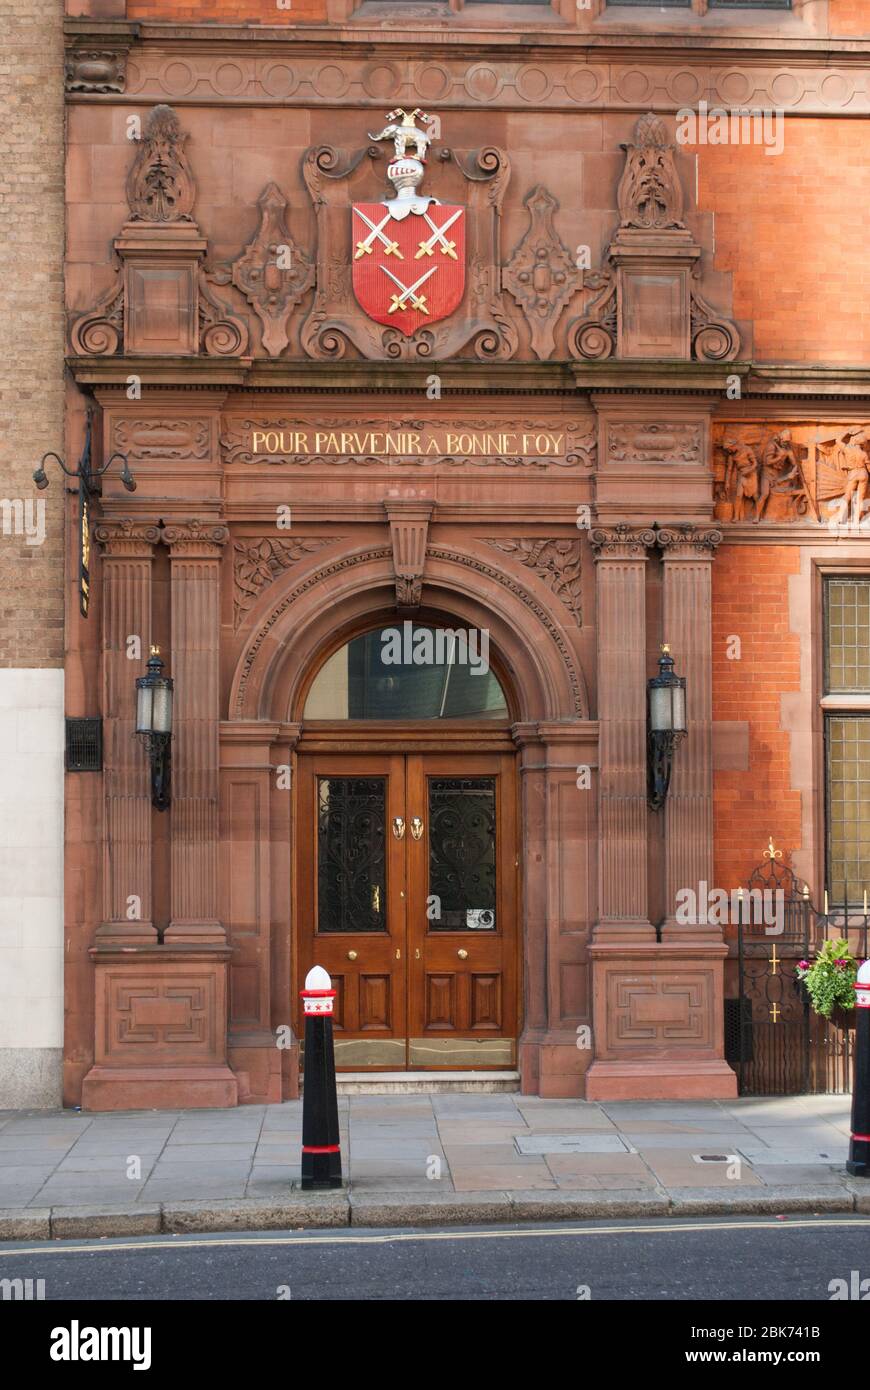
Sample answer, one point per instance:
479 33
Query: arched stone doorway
513 769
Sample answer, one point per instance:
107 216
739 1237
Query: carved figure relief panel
791 472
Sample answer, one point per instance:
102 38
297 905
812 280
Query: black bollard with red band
321 1151
859 1147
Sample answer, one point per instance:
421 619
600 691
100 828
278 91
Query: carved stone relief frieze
175 437
541 273
645 441
776 472
556 562
806 83
258 561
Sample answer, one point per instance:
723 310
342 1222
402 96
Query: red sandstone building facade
628 406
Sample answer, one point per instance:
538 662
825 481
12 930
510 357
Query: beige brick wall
31 575
31 317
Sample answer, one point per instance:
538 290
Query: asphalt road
704 1259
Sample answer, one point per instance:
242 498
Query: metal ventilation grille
84 745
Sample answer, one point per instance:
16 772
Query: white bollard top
317 978
864 973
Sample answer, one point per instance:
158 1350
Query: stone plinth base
658 1016
159 1088
266 1073
655 1080
160 1029
551 1065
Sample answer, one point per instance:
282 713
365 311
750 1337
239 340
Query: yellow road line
182 1242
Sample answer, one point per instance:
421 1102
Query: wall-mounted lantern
87 479
154 726
666 694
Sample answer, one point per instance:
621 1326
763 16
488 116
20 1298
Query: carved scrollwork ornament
221 332
611 542
99 332
688 539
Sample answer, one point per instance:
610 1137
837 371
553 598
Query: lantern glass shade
162 709
144 707
660 711
679 708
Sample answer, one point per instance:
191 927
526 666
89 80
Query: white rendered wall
31 887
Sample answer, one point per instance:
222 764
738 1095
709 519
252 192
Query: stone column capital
685 541
195 539
127 538
622 542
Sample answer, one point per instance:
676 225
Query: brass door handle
351 955
398 827
463 955
417 828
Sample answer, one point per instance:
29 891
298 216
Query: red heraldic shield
411 272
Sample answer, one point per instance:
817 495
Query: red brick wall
792 230
226 11
750 601
849 17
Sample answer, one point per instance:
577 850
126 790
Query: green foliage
830 978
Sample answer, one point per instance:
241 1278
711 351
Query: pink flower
803 965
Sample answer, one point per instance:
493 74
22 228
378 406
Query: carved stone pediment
481 324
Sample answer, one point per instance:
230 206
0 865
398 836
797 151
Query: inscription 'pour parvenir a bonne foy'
268 443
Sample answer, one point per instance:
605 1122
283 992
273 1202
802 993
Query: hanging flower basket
829 980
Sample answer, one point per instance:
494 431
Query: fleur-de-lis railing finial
771 853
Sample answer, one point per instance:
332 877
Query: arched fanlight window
409 671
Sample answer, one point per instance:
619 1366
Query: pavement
423 1160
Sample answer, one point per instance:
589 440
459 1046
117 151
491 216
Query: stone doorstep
301 1210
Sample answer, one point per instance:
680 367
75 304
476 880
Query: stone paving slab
498 1153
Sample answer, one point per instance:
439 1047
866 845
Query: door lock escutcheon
463 955
351 955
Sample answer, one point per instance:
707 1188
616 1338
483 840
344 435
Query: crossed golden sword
364 248
418 301
448 248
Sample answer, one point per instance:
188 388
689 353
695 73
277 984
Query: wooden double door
406 870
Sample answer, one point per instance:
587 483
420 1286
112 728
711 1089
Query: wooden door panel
350 899
440 1003
485 1012
462 938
